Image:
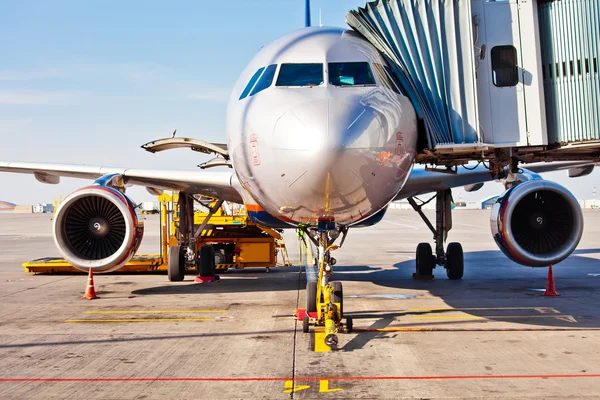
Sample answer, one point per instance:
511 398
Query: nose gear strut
329 295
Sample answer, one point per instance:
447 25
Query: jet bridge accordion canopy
512 73
430 49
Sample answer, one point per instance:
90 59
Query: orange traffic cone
550 289
90 292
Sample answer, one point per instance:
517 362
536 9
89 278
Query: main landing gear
452 259
324 298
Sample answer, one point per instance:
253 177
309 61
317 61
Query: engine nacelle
97 227
537 223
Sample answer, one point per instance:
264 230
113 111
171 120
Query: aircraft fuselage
323 133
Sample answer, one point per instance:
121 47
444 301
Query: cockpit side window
384 77
265 80
351 74
251 83
300 75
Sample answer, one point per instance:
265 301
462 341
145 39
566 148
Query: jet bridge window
300 75
504 66
351 74
265 80
251 83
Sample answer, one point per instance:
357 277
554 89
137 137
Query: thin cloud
21 97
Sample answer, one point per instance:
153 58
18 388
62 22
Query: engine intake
97 227
537 223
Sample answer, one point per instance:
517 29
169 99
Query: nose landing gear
325 298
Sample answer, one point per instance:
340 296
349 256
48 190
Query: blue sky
91 81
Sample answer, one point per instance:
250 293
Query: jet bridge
494 79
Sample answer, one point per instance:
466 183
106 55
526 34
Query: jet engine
97 227
537 223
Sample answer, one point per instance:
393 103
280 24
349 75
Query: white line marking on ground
404 225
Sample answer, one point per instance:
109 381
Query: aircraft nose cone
325 148
322 126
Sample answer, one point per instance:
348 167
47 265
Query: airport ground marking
541 310
319 339
303 379
568 318
137 320
289 387
153 311
324 387
437 329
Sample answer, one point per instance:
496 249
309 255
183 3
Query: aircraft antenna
307 13
320 17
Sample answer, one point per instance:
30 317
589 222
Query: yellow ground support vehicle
237 242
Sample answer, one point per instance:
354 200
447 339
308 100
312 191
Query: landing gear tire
176 267
338 296
206 265
455 262
305 324
311 297
425 260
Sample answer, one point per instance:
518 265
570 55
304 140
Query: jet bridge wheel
311 297
425 260
455 262
176 266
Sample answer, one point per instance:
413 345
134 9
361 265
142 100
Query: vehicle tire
305 324
425 259
455 262
311 297
349 325
176 264
338 296
206 265
220 258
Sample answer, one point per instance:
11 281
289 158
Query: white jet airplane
321 137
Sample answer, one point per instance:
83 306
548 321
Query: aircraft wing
422 181
210 183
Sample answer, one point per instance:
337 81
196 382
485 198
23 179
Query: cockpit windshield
300 75
351 74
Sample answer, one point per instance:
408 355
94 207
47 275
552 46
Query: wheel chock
424 278
301 312
206 279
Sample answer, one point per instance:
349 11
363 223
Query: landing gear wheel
425 260
349 325
455 262
338 296
311 297
305 324
206 265
176 267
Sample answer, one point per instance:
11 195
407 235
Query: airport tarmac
491 335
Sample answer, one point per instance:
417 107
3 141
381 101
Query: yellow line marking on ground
140 320
289 387
320 346
153 311
324 387
568 318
